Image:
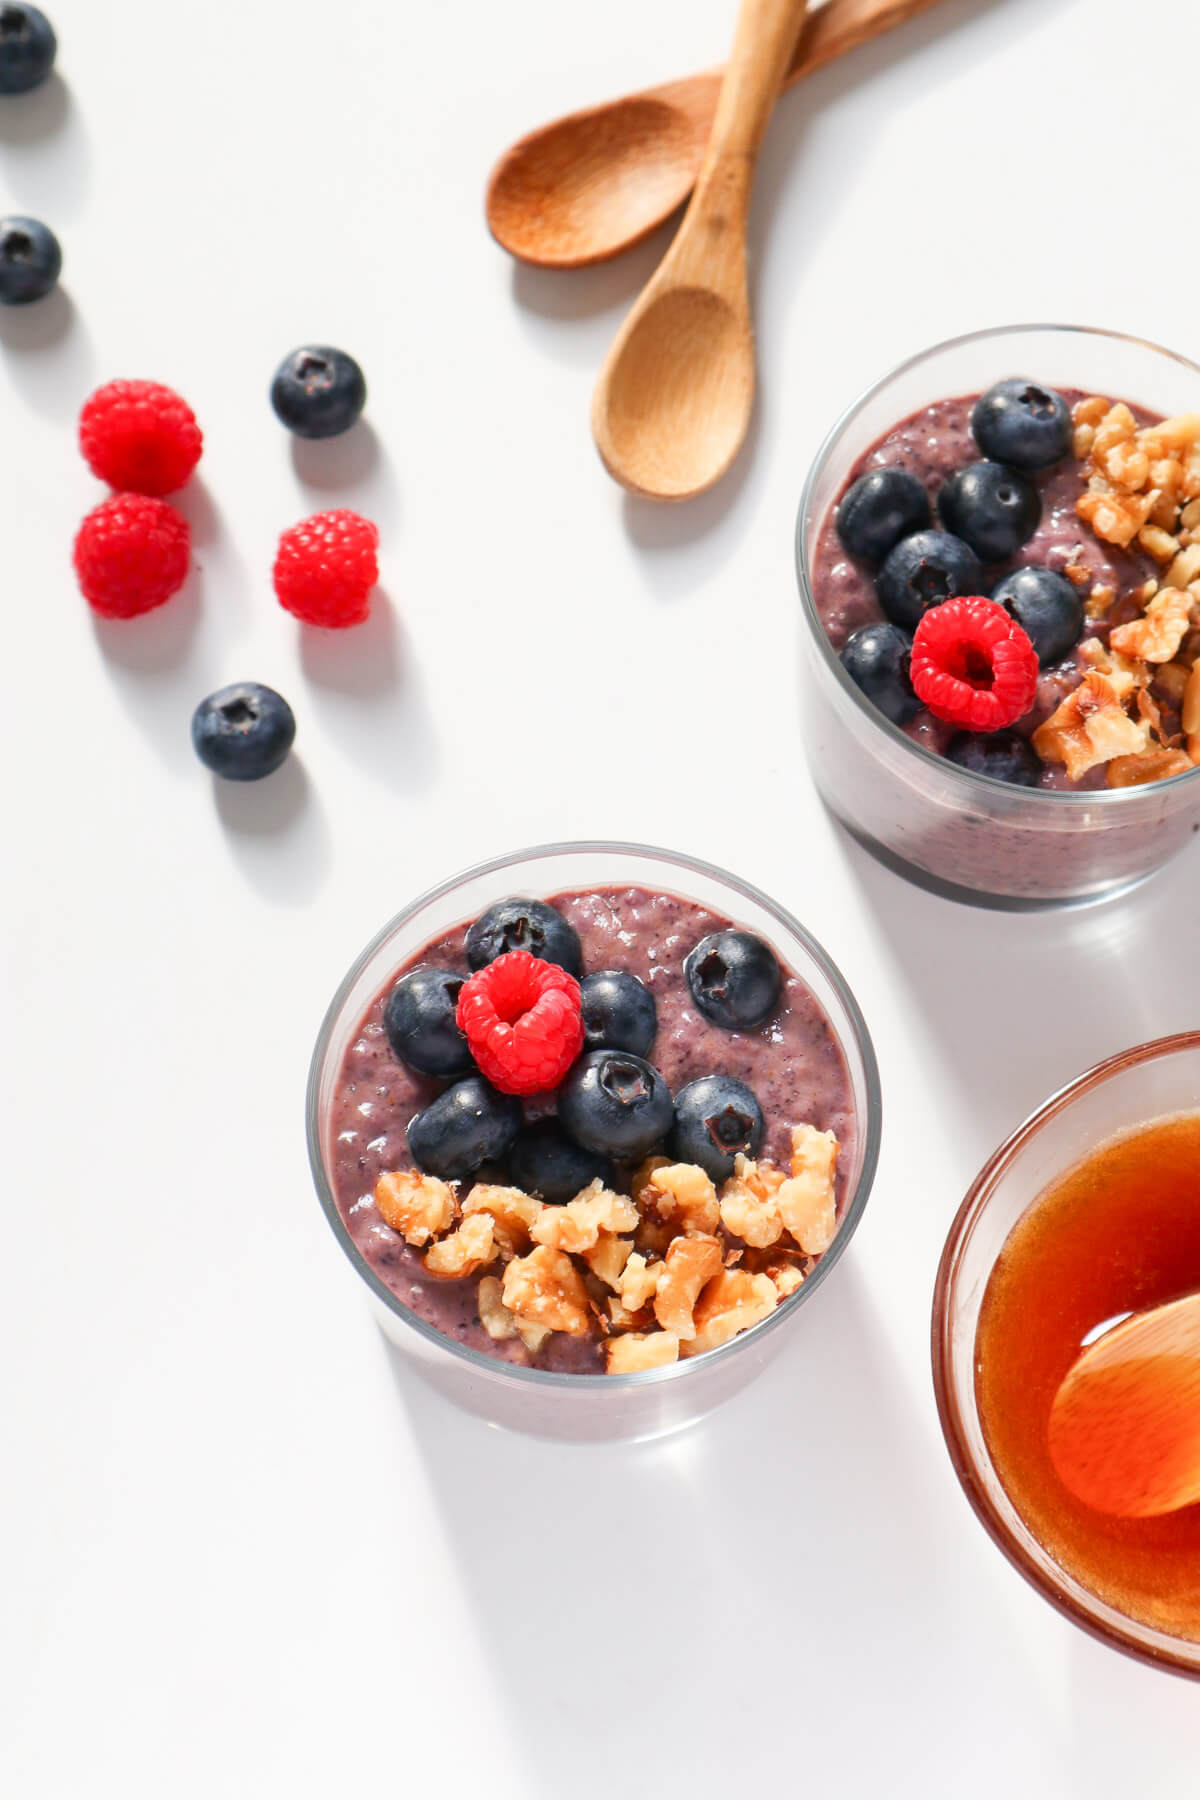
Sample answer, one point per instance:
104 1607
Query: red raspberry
139 436
973 665
524 1022
326 567
131 554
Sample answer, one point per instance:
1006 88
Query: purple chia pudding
1043 812
792 1062
931 444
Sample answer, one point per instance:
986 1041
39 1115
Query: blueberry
618 1012
877 660
734 978
922 571
30 260
615 1104
244 731
1002 755
993 508
1020 423
467 1125
420 1023
318 391
716 1119
1048 609
27 48
531 925
878 509
544 1161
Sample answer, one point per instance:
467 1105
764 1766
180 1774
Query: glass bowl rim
870 1125
962 1458
1064 798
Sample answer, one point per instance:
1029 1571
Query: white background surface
242 1555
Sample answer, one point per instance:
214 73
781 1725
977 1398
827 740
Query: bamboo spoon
1125 1424
597 182
673 400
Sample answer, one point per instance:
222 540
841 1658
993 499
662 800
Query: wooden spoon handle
762 49
841 25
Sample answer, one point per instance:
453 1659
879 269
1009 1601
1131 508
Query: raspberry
326 567
973 665
523 1020
139 436
131 554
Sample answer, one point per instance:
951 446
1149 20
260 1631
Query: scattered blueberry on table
30 260
243 732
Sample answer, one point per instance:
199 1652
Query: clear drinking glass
963 835
591 1406
1131 1090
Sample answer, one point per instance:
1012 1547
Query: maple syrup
1117 1233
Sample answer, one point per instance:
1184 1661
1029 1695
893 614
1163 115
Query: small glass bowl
652 1401
963 835
1131 1090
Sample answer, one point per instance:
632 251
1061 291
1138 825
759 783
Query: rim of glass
1072 1601
870 1126
1061 797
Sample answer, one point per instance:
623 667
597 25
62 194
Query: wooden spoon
673 400
594 183
1125 1424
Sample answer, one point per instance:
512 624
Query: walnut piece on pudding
513 1213
576 1227
418 1206
494 1316
749 1209
732 1302
1156 764
1157 635
471 1247
807 1201
1122 673
689 1264
639 1282
1089 727
607 1258
683 1195
545 1288
641 1350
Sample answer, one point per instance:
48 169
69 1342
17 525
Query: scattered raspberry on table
140 436
132 552
326 567
523 1021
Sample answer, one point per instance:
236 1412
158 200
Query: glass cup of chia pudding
591 1122
1084 1215
1000 631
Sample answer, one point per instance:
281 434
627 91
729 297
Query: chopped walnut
494 1316
620 1318
513 1212
749 1209
1089 727
732 1302
1099 601
1190 716
682 1193
576 1227
1160 543
690 1262
545 1288
1157 635
471 1247
418 1206
787 1278
1122 673
1155 764
1185 569
639 1282
644 1175
807 1201
641 1350
1117 518
608 1256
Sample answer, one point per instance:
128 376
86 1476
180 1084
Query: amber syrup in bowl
1117 1233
